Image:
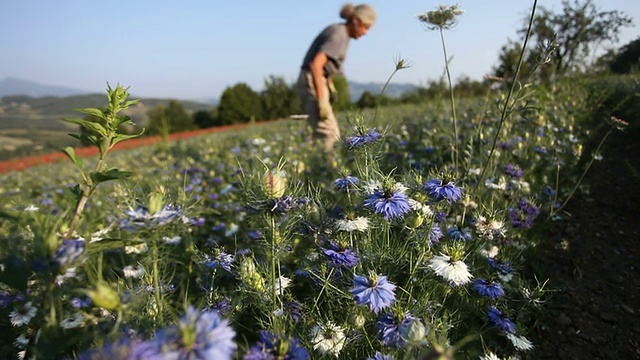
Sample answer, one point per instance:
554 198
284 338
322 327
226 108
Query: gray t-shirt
334 42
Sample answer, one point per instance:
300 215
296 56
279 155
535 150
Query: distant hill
14 86
393 90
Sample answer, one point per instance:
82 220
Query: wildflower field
412 244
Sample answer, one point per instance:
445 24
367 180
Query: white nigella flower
501 185
328 338
475 171
490 356
172 240
422 209
492 252
282 283
231 230
99 235
227 189
68 274
453 271
371 186
358 224
136 249
131 272
520 342
31 208
75 321
22 315
21 341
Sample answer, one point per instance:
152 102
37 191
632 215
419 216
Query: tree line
562 44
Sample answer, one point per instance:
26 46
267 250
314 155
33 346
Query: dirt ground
594 312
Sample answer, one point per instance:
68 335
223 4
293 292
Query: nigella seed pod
273 184
104 296
414 220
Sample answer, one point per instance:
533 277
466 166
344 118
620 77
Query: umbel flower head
444 17
374 291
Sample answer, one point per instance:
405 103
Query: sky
194 49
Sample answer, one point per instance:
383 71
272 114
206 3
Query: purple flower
523 213
435 234
363 139
374 291
391 204
438 190
340 255
345 182
493 290
502 268
124 348
81 302
390 329
270 346
142 218
503 322
68 252
513 170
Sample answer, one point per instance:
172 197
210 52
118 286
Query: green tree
204 119
239 104
627 59
576 30
173 118
368 100
279 100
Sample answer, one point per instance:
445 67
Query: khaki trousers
325 129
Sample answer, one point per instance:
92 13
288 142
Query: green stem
156 281
514 80
454 154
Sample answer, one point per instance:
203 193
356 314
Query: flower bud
414 220
155 202
415 333
274 184
359 321
104 296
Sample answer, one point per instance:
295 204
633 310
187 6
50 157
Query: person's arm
317 72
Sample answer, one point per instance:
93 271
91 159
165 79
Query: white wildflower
136 249
491 252
131 272
31 208
231 230
422 209
328 338
172 240
75 321
23 315
453 271
358 224
520 342
490 356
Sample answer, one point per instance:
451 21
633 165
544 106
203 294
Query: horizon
197 50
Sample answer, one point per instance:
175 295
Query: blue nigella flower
68 252
81 302
504 268
493 290
390 329
513 170
345 183
438 190
435 234
124 348
456 234
270 346
340 256
380 356
223 260
503 322
391 204
374 291
141 217
362 139
523 213
199 335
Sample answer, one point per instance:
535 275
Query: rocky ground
592 261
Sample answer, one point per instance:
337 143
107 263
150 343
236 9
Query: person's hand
324 106
333 92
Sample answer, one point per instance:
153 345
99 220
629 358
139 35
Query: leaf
73 194
91 111
123 119
107 244
72 155
8 215
94 126
122 137
111 174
